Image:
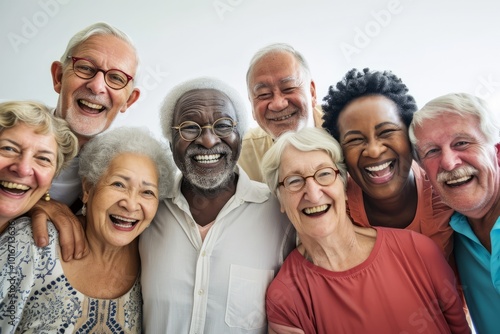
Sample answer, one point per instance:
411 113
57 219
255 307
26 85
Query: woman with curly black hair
369 113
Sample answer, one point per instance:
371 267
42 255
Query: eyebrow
19 145
316 168
378 126
281 81
127 178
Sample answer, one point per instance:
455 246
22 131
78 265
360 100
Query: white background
436 47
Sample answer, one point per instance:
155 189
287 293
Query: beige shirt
255 144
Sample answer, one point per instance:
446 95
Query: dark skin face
378 156
207 163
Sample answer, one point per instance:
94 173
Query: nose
374 149
22 167
312 190
130 203
207 139
97 84
449 159
278 102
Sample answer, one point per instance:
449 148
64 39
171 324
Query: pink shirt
404 286
431 218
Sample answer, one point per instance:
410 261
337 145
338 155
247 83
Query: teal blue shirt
479 274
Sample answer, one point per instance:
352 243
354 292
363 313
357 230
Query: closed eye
387 132
353 141
264 96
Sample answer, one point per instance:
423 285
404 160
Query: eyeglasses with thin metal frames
295 183
190 131
86 69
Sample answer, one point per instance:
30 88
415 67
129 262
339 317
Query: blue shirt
479 273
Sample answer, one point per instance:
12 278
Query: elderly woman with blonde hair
345 278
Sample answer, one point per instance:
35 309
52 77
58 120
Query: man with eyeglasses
95 81
219 238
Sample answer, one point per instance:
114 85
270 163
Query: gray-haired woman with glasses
344 278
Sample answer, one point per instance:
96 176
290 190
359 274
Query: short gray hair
98 153
278 48
167 109
305 140
40 117
463 105
99 28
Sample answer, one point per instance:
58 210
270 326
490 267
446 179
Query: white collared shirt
217 285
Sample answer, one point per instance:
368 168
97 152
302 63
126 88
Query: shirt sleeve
444 282
280 308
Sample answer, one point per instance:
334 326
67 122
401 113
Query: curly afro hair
358 84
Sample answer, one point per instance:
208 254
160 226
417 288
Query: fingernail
42 242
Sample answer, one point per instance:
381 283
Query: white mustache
455 174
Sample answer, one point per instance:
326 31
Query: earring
46 197
84 210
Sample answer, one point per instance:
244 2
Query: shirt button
200 292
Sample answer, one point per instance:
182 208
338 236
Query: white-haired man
219 238
283 98
457 139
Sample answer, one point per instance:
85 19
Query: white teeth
462 179
283 118
122 225
316 209
208 158
124 219
378 168
91 105
12 185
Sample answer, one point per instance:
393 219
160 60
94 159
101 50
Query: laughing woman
369 113
345 278
124 174
34 146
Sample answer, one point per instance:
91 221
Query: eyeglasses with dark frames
189 130
85 69
323 177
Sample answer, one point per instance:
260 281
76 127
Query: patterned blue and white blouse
36 297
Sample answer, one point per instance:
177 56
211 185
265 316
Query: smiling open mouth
207 158
14 188
90 107
459 181
316 210
122 221
380 170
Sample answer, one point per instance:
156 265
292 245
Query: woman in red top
345 278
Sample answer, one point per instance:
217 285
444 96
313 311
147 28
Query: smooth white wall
436 47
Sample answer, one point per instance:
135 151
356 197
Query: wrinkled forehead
210 102
276 65
108 51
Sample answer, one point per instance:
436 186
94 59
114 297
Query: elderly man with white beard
219 238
